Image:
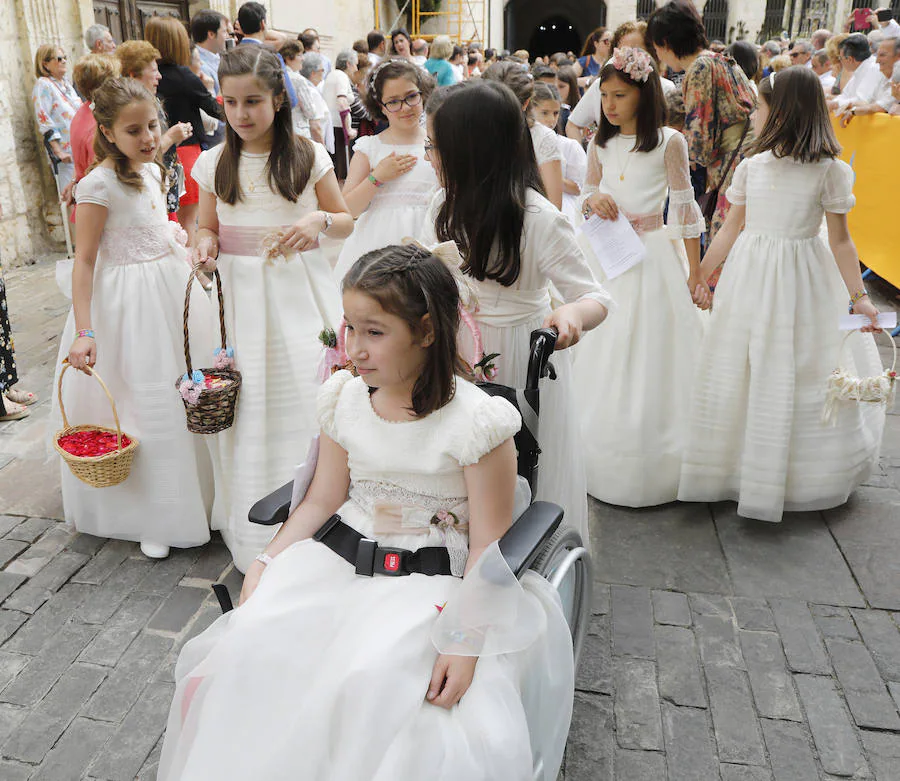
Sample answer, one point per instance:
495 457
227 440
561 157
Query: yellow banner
871 144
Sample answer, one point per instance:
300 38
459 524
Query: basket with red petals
96 455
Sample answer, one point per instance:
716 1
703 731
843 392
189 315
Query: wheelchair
535 540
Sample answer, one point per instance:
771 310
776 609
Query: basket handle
889 338
187 311
93 373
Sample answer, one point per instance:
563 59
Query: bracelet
856 297
265 558
86 332
375 181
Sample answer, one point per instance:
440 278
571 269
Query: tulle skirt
322 674
137 314
633 381
757 433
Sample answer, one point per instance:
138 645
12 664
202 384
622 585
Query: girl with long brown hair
128 288
267 195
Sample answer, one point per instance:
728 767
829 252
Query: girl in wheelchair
381 635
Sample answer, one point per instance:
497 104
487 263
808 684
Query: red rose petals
90 444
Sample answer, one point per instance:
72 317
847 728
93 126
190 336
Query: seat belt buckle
391 562
365 557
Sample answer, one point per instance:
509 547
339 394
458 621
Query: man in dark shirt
252 19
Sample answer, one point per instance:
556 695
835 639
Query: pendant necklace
622 168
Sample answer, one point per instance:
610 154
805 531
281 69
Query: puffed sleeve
837 191
364 144
546 147
204 170
321 164
93 188
492 422
562 260
737 192
327 401
684 220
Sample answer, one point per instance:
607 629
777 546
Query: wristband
86 332
375 181
265 558
856 297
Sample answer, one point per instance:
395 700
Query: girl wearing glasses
390 183
55 103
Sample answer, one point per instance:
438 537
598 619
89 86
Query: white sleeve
204 170
93 189
684 220
588 109
837 190
321 163
737 192
546 145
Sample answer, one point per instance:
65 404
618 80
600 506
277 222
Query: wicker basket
843 387
214 410
97 471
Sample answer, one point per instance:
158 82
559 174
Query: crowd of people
475 192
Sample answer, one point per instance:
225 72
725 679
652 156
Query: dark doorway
715 19
126 18
556 34
524 18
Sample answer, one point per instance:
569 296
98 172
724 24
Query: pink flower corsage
335 357
636 63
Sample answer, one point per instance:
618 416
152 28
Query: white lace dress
275 309
545 143
137 307
506 317
756 430
321 675
396 211
633 385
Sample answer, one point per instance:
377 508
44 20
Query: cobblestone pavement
720 648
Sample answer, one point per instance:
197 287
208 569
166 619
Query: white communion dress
275 308
757 433
506 317
322 674
633 385
137 309
396 211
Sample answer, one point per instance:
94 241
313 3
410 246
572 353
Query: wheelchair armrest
273 509
522 544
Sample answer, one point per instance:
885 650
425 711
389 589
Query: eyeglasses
429 147
394 105
63 58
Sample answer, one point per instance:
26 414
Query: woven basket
97 471
214 411
843 387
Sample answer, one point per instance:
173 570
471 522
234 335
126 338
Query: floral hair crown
634 62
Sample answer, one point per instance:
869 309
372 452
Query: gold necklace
622 168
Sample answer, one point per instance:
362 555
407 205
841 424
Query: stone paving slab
719 649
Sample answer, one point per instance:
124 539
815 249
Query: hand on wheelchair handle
567 325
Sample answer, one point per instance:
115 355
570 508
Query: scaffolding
465 21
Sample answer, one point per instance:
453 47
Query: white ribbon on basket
843 387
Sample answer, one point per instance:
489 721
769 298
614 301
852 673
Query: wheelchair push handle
543 342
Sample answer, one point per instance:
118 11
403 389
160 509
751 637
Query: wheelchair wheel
566 564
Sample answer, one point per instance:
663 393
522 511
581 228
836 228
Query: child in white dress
545 108
390 182
266 195
128 286
323 674
515 243
757 433
633 386
543 140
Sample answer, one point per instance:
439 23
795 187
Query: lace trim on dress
685 220
135 244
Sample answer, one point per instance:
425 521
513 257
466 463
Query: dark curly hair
394 69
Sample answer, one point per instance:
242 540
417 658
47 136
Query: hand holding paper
615 243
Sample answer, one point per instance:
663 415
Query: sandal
14 412
26 398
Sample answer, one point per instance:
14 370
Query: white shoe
153 550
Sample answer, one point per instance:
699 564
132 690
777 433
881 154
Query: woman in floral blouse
718 99
55 103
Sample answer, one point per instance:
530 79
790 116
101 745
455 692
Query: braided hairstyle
291 157
109 99
410 282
